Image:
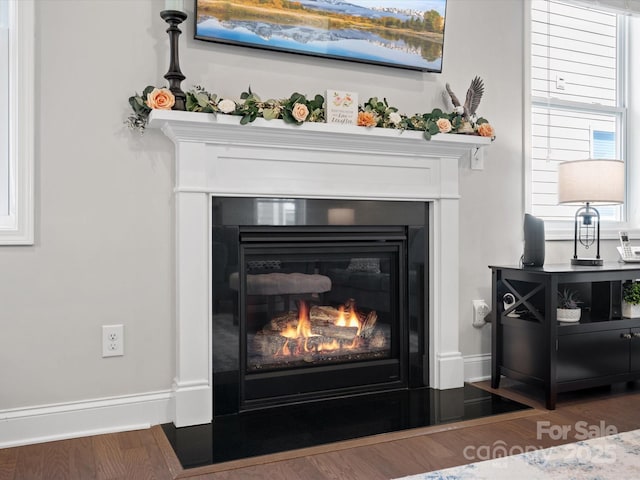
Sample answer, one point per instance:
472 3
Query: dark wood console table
530 345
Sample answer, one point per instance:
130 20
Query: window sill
607 232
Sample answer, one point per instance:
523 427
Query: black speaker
533 255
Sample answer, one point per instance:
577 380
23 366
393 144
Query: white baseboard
25 426
449 371
477 367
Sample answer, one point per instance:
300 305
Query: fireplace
217 157
316 298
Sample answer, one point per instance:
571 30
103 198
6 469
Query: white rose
459 110
395 118
226 105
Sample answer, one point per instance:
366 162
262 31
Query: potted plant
568 309
631 300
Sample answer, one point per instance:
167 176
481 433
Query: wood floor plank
450 452
109 459
408 458
7 471
56 456
8 458
129 440
352 463
156 458
137 464
298 468
427 447
82 461
30 462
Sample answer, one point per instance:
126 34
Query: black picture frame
406 34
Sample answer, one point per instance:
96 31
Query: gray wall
104 210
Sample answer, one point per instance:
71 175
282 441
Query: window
578 104
16 121
4 109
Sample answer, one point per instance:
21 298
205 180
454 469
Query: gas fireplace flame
329 329
301 332
349 318
304 324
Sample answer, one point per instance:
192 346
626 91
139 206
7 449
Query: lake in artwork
401 33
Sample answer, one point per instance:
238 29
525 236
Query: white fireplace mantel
216 156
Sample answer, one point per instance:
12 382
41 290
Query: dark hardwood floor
145 454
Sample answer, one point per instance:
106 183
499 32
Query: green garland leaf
270 113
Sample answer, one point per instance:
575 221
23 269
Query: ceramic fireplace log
270 344
334 332
318 326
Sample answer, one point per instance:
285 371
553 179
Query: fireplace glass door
316 298
320 311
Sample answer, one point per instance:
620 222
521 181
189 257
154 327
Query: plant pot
568 314
630 310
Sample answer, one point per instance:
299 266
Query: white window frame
563 230
17 228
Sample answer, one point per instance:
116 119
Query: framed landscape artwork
397 33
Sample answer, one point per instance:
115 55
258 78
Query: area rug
615 457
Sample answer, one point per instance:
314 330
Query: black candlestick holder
174 75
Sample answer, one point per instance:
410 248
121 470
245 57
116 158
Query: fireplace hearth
248 438
310 305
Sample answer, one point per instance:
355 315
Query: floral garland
298 109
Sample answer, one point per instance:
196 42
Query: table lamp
589 182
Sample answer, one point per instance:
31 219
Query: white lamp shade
599 182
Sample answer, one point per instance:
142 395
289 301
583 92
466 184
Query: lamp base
587 262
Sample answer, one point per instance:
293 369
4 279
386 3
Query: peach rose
161 99
367 119
444 125
300 112
486 130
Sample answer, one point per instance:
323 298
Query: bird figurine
474 95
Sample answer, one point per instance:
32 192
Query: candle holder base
174 76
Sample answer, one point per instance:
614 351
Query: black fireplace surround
315 299
289 372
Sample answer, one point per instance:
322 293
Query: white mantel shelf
216 156
197 127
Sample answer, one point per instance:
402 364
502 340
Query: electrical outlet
112 340
480 311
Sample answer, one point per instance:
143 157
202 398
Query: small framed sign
342 107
